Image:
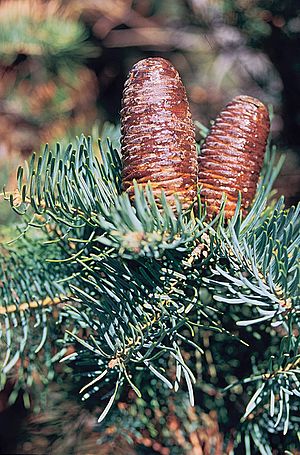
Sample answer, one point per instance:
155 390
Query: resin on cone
232 155
158 135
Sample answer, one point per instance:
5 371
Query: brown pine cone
158 136
232 155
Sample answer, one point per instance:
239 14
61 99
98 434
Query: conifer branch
136 271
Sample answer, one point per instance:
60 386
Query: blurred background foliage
63 64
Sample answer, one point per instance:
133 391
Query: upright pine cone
232 155
158 136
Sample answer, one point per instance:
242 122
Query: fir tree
143 297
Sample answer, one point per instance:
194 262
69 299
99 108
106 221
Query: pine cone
232 155
158 136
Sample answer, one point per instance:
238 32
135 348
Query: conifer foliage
139 283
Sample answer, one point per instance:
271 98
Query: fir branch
73 188
33 304
264 266
29 292
136 270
